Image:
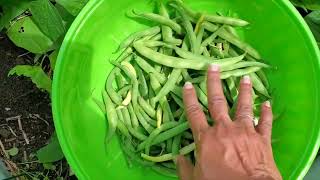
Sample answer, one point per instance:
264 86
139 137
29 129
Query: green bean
137 35
125 54
137 134
237 42
159 19
147 143
178 113
193 15
176 144
226 92
177 100
169 85
149 69
166 30
177 91
156 37
169 145
171 133
147 107
167 157
163 101
159 116
165 171
109 88
258 85
124 90
188 27
143 87
206 52
151 121
133 117
174 61
203 87
217 50
245 64
99 104
232 88
111 115
142 121
169 165
120 124
121 81
225 20
232 31
126 117
209 39
135 85
187 135
210 27
202 97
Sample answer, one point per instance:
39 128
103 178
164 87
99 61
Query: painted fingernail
214 68
246 79
267 104
188 85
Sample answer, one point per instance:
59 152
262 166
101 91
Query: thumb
185 168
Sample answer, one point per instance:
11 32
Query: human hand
230 149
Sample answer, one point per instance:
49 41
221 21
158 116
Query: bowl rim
298 173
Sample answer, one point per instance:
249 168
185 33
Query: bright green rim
312 148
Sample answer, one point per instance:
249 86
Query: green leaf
309 4
51 152
35 73
12 9
47 18
313 20
13 151
53 58
25 34
49 166
73 6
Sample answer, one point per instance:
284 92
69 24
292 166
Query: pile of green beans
143 94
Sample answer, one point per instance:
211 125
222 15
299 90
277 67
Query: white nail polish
214 68
188 85
246 79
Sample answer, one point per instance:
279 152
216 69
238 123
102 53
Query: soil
25 111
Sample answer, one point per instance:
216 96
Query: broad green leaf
47 18
13 151
65 15
12 9
51 152
73 6
313 20
35 73
309 4
53 58
25 34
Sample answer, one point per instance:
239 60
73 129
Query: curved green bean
114 96
133 117
142 120
143 86
147 107
111 115
258 85
149 69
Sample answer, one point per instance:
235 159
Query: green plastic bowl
276 30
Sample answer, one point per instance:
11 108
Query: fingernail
214 68
246 79
188 85
267 104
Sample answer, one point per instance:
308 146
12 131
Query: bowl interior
276 31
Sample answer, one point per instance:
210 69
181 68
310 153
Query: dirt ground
25 111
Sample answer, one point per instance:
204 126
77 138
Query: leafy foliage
308 4
35 73
24 33
73 6
313 20
51 152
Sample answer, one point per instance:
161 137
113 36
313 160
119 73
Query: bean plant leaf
35 73
309 4
25 34
47 18
11 9
72 6
65 15
13 151
51 152
313 20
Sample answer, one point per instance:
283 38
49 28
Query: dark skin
229 149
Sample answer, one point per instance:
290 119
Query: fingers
264 127
217 102
185 168
244 112
195 115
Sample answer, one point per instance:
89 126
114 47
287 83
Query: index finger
195 115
